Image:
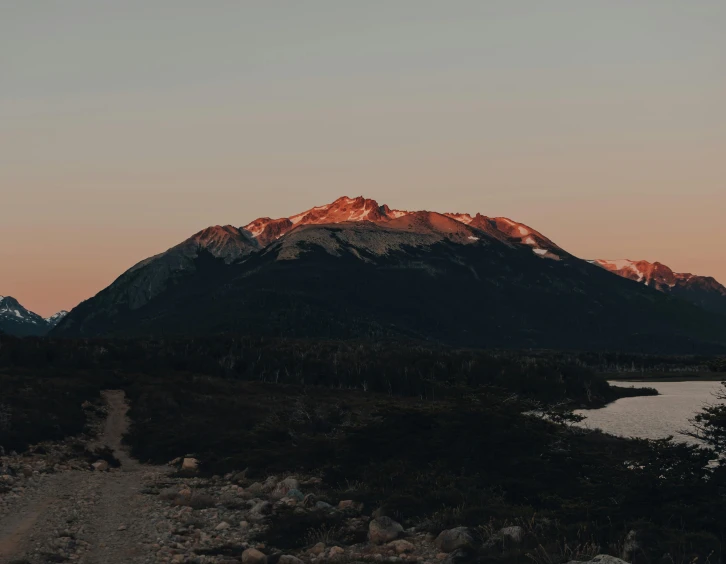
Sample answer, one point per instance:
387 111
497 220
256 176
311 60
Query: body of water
653 417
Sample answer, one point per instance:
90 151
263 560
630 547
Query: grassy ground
471 458
37 407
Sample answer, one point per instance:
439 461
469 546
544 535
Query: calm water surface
653 417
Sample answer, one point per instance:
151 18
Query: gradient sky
127 126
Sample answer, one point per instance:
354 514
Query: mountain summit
354 268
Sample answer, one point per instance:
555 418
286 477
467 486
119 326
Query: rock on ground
454 539
253 556
383 530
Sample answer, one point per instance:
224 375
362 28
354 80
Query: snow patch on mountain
462 217
359 210
56 318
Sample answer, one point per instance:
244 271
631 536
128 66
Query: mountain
703 291
55 319
16 320
21 322
357 269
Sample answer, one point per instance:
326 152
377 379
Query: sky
126 127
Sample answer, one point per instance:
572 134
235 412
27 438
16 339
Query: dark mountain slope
151 277
704 291
443 281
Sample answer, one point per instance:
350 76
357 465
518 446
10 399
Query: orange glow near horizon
60 272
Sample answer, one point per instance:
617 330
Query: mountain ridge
355 268
17 320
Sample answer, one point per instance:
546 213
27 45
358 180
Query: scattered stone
270 484
223 525
335 552
454 539
253 556
346 503
296 495
401 546
289 559
259 511
255 488
286 485
383 530
318 549
100 466
190 465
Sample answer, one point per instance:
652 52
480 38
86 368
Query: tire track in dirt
105 509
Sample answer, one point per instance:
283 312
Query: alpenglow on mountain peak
265 230
704 291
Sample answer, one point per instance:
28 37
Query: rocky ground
85 500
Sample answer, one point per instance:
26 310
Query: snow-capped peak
56 318
17 320
11 306
12 312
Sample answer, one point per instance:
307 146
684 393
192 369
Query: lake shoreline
665 377
668 413
615 393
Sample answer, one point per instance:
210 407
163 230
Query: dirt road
92 518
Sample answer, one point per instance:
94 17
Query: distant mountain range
357 269
16 320
703 291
